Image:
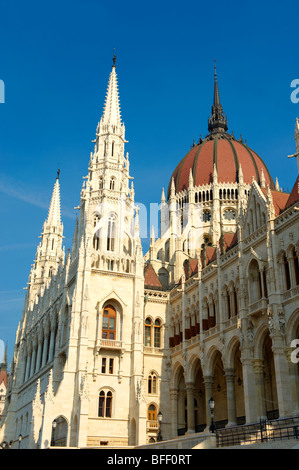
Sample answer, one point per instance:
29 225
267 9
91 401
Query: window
105 405
148 332
111 233
112 184
287 272
157 334
152 383
206 216
152 413
229 214
296 266
104 364
109 323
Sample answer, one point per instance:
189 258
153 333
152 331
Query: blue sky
55 60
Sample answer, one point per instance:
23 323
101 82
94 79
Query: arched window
287 272
157 334
111 233
255 285
112 149
152 383
147 332
152 413
109 323
112 184
296 266
228 309
105 404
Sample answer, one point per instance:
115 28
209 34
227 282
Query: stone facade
109 337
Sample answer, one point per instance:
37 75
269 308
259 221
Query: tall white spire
111 114
54 215
49 253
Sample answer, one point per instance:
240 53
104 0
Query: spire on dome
217 121
54 216
111 114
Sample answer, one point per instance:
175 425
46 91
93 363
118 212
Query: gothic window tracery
152 383
229 215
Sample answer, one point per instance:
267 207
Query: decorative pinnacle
217 121
114 60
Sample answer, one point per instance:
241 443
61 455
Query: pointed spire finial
114 57
111 112
54 216
217 122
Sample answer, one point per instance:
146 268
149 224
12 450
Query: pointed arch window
111 233
109 323
148 332
105 404
112 184
152 413
287 272
157 334
296 266
152 383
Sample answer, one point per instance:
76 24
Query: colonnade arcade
237 380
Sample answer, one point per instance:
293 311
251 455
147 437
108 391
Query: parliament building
111 338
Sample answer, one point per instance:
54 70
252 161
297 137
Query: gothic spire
54 215
111 114
217 121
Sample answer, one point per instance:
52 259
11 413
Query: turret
49 252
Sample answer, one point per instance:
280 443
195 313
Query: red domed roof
228 154
223 150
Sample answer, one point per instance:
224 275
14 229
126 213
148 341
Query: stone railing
109 344
152 425
289 294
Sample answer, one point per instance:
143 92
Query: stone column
190 407
45 346
258 366
52 340
39 351
231 399
250 395
282 377
174 412
208 382
33 357
293 383
28 361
